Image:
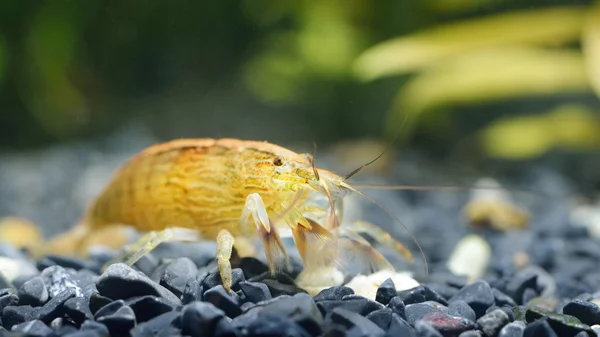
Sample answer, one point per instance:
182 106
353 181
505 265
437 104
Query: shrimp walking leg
378 235
149 241
275 253
225 243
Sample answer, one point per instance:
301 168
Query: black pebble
420 294
528 295
177 273
356 324
417 311
214 279
333 293
229 303
200 319
399 327
8 299
273 325
148 307
587 312
120 322
461 308
425 329
120 281
386 291
33 328
398 306
278 288
78 310
300 308
192 291
160 323
517 285
358 304
98 301
478 295
381 317
502 299
33 292
90 325
14 315
109 309
255 291
252 267
55 307
514 329
539 328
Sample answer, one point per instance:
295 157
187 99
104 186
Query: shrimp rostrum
232 191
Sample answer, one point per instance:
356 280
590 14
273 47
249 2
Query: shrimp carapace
213 187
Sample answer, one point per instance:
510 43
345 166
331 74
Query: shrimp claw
275 252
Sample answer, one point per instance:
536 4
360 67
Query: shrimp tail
77 240
70 242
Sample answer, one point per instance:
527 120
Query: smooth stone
461 308
228 302
120 322
492 322
386 291
148 307
254 291
352 321
514 329
78 310
398 307
416 311
33 292
177 274
120 281
478 295
200 318
35 328
587 312
333 293
447 324
158 324
421 293
425 329
55 307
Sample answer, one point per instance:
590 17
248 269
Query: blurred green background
505 79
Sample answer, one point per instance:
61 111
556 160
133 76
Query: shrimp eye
277 161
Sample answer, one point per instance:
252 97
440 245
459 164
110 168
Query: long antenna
351 174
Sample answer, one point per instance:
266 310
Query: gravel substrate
166 295
542 280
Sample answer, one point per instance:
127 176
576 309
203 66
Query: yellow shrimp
213 187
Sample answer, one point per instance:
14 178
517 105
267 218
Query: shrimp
208 189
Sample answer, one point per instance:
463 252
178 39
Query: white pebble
366 286
470 257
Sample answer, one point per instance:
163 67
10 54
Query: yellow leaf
570 126
490 75
575 127
591 46
414 52
516 137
